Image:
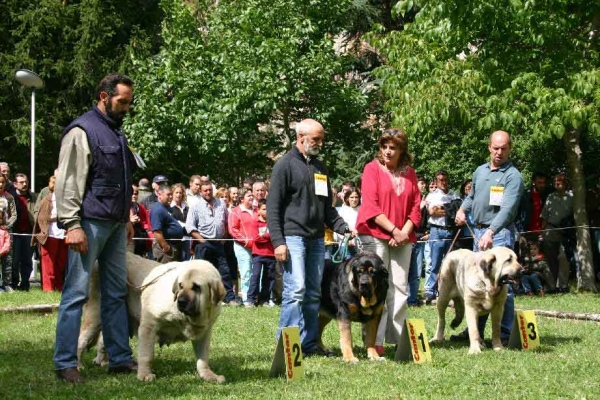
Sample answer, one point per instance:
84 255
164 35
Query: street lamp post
31 80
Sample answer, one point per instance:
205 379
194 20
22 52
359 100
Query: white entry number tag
321 185
496 194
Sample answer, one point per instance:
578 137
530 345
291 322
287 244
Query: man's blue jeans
440 240
504 238
301 297
22 265
414 273
244 260
107 242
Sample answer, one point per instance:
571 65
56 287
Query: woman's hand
399 238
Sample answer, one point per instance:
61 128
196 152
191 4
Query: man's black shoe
318 352
124 368
71 375
460 337
429 299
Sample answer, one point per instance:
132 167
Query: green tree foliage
463 69
221 95
71 45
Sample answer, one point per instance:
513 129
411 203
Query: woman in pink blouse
385 222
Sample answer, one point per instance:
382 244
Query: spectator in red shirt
22 250
242 228
389 212
263 261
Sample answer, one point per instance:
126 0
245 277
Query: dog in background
354 291
477 283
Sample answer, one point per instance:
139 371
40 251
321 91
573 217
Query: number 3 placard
525 333
288 355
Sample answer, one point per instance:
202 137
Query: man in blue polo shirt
494 204
168 232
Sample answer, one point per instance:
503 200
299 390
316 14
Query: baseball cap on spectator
159 179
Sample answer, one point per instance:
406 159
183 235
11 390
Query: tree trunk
585 272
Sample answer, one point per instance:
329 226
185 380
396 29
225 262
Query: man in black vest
93 196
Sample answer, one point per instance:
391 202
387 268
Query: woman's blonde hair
180 186
400 139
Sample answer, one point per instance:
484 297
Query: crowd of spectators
166 219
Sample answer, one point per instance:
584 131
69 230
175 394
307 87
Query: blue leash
342 252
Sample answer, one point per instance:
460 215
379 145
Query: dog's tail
459 308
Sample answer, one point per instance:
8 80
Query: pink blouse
395 195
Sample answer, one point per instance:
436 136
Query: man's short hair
262 202
109 84
537 175
206 183
162 187
20 175
349 183
194 177
144 183
249 181
440 172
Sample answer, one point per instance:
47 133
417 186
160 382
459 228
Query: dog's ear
217 292
175 288
487 262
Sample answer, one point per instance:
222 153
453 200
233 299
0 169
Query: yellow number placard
288 355
414 343
525 333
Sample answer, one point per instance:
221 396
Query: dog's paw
474 350
101 361
210 376
435 340
498 347
352 360
145 377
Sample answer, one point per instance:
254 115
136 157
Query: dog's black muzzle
364 285
185 306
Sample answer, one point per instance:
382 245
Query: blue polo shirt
162 220
478 201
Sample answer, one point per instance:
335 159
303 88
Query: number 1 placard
414 344
288 355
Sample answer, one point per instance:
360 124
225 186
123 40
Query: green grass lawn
566 365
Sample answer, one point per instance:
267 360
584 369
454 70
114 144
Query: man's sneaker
235 303
71 375
248 305
429 299
131 366
271 303
8 289
380 350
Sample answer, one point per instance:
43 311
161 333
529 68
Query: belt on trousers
482 226
447 228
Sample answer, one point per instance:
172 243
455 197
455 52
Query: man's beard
117 118
310 150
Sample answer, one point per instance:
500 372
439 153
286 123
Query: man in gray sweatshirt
298 208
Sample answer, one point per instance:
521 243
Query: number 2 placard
288 355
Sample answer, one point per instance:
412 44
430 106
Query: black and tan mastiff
476 282
167 303
354 291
